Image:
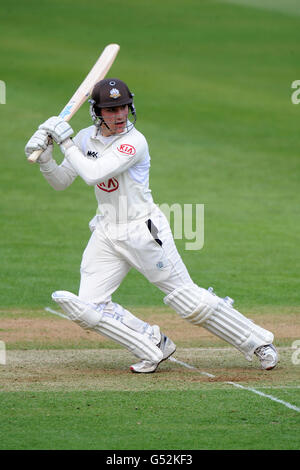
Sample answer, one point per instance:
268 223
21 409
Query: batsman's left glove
57 128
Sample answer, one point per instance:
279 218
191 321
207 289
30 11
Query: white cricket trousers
113 249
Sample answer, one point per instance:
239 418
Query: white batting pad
192 303
201 307
88 317
78 311
230 325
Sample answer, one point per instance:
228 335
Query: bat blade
97 73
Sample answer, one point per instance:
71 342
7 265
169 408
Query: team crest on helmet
114 93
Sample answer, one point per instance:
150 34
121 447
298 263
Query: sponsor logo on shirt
92 154
127 149
108 186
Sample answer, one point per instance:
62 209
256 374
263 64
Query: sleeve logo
127 149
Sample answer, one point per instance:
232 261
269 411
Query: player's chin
119 128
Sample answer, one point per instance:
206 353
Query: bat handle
34 156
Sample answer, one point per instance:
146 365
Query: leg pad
202 307
89 317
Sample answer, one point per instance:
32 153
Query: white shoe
166 345
268 356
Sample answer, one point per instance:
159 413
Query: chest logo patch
92 154
108 186
127 149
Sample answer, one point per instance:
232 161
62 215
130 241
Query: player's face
115 118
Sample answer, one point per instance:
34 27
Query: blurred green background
212 83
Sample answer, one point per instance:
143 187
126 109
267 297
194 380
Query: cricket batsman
130 231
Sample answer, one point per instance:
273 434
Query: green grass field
212 83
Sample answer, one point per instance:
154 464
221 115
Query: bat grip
34 156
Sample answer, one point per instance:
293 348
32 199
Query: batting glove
57 128
40 141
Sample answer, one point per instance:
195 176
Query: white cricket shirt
117 167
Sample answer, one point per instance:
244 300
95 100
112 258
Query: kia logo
111 185
127 149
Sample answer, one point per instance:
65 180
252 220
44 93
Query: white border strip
234 384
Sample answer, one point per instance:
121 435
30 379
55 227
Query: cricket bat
97 73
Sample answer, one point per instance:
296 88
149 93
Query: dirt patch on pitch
108 369
46 352
47 332
44 331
